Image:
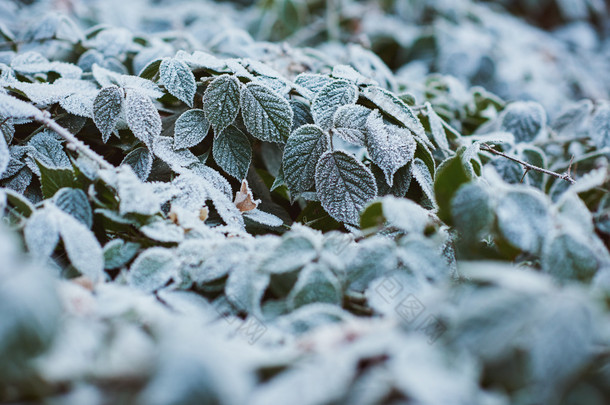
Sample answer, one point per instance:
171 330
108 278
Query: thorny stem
527 166
73 143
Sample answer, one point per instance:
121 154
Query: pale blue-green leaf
328 100
107 109
568 255
348 73
344 186
221 102
82 247
74 201
140 160
178 79
152 269
5 155
436 128
232 152
163 148
33 62
600 126
422 175
163 231
267 116
134 196
46 148
472 211
41 233
117 253
349 123
190 129
301 155
394 107
524 119
390 146
142 117
245 288
316 284
405 214
312 82
293 252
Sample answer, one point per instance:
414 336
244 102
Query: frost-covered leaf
5 155
74 201
349 122
344 186
316 283
293 252
163 231
524 219
266 115
140 160
178 79
134 196
436 128
312 82
47 149
164 149
232 152
405 214
190 129
142 117
107 109
390 146
11 107
328 100
41 233
221 102
600 126
524 119
422 175
130 83
33 62
117 253
152 269
472 211
301 154
400 184
302 113
82 247
263 218
394 107
569 255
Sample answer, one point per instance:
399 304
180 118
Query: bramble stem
527 166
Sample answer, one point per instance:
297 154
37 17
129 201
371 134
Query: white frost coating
600 126
213 177
163 148
190 129
344 186
134 196
436 127
232 152
422 175
142 117
245 287
152 269
266 115
349 123
524 119
328 100
524 219
348 73
301 154
82 247
41 233
107 109
391 147
74 201
394 107
221 102
48 150
33 62
405 214
312 83
11 107
163 231
107 78
263 218
316 283
5 155
178 79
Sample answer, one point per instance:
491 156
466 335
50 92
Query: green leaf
400 184
151 69
450 175
422 176
524 219
436 128
349 123
221 102
53 179
142 117
5 156
117 253
405 214
568 255
391 147
524 119
344 186
328 100
107 110
316 283
395 108
83 249
600 126
267 116
152 269
41 233
232 152
178 79
74 201
472 211
140 160
301 154
190 129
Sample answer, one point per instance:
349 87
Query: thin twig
73 142
527 166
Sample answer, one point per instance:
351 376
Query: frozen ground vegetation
305 202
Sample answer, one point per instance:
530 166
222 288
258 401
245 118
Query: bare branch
527 166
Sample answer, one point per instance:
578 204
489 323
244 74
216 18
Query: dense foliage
197 213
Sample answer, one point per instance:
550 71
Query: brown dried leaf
244 200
